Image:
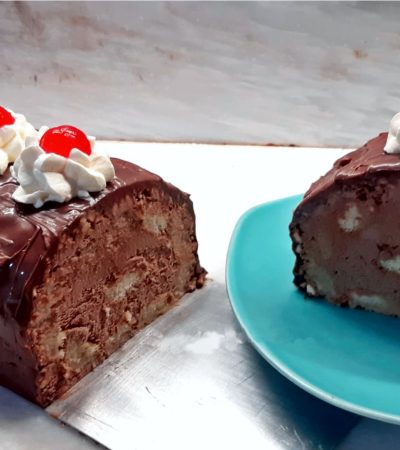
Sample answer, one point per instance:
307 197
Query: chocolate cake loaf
346 230
79 278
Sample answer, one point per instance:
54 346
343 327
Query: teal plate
350 358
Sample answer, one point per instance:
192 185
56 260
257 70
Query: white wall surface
313 74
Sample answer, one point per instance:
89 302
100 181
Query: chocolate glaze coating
367 160
28 235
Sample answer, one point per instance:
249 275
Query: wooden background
315 74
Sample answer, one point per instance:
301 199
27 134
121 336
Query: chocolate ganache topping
370 159
29 235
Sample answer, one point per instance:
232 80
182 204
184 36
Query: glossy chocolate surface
28 235
367 160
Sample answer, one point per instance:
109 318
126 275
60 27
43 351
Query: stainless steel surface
26 426
191 377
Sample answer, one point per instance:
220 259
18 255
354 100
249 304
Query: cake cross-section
346 231
78 279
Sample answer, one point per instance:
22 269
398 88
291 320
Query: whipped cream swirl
45 177
393 139
12 139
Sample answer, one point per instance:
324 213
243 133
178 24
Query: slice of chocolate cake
79 278
346 231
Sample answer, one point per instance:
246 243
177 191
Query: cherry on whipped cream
6 118
62 139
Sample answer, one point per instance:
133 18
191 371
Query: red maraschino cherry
61 140
6 118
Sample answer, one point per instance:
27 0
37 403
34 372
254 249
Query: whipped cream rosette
14 129
59 164
393 140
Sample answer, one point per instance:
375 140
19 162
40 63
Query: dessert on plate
91 250
346 230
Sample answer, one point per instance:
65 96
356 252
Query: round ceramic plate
350 358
